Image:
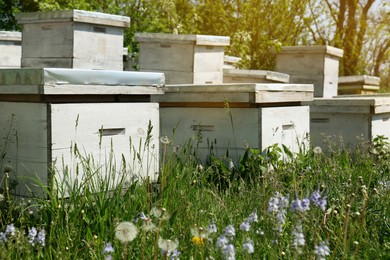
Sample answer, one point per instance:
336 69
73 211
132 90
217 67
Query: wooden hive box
10 49
351 118
262 115
185 59
46 113
72 39
318 65
359 84
253 76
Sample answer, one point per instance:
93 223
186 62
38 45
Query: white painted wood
72 39
289 126
311 64
44 133
246 93
79 124
351 128
191 59
166 57
253 127
253 76
353 118
362 79
74 15
359 84
10 49
26 150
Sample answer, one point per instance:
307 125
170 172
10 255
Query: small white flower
165 140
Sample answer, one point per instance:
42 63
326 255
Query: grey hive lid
75 16
76 81
196 39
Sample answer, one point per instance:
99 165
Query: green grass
188 197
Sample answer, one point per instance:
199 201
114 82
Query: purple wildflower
248 247
230 231
322 250
32 233
246 226
221 241
318 200
229 251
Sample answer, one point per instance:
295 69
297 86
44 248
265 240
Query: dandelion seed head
167 245
317 150
126 231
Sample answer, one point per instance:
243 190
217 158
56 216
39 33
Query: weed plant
271 205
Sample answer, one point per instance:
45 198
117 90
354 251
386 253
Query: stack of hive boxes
349 118
72 95
236 116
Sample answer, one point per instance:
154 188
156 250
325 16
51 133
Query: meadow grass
270 205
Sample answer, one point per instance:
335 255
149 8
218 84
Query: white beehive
10 49
185 59
262 115
350 117
46 112
72 39
359 84
318 65
253 76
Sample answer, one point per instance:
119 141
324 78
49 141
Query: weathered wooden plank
27 148
253 76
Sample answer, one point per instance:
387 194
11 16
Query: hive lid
263 74
241 93
10 36
77 81
183 38
374 104
359 79
75 16
323 49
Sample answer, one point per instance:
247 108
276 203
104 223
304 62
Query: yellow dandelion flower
198 241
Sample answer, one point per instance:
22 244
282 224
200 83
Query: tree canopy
258 28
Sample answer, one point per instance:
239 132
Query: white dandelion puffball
126 231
